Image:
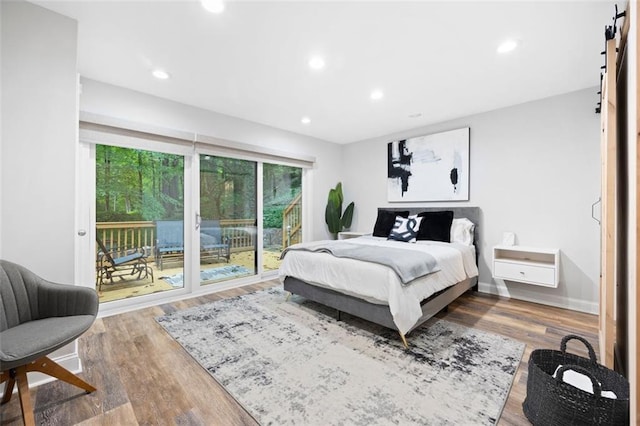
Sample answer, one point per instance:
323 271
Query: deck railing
292 222
241 233
142 234
124 235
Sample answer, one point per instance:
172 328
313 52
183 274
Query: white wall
39 125
535 171
39 108
118 102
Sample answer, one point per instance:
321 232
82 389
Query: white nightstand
345 235
538 266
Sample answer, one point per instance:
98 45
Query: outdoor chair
169 241
212 244
121 263
37 318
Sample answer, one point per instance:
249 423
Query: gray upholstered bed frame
378 313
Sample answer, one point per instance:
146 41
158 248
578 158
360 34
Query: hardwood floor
145 378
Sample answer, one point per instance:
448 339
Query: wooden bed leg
288 296
404 341
339 315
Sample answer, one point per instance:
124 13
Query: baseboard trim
530 296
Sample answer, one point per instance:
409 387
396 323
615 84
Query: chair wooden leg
19 375
6 376
47 366
25 397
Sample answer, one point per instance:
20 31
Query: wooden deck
130 287
144 377
142 235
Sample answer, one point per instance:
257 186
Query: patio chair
169 241
37 318
121 263
212 244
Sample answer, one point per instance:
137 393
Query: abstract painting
429 168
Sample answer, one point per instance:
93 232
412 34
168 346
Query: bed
337 282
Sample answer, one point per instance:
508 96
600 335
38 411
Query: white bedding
379 284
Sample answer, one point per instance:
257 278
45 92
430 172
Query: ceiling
435 59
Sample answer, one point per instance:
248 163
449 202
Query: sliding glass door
176 222
227 220
139 208
282 211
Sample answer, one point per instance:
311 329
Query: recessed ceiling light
377 94
305 120
160 74
415 115
213 6
316 63
507 46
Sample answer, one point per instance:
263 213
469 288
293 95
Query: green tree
138 185
134 184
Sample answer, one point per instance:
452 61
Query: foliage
136 185
139 185
119 217
281 185
272 217
227 188
336 219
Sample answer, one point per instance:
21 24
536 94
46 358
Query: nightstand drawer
524 273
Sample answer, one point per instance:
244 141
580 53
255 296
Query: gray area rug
291 363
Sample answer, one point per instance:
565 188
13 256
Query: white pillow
405 229
462 231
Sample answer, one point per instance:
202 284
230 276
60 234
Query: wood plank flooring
145 378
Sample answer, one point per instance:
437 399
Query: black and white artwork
429 168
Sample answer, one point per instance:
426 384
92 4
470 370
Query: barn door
608 225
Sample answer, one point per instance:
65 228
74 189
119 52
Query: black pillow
385 221
436 226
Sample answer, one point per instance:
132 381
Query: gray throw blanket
408 264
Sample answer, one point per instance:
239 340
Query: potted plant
336 219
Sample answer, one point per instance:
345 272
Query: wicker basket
550 401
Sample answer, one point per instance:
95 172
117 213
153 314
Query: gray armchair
36 318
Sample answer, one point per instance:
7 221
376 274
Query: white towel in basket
581 381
